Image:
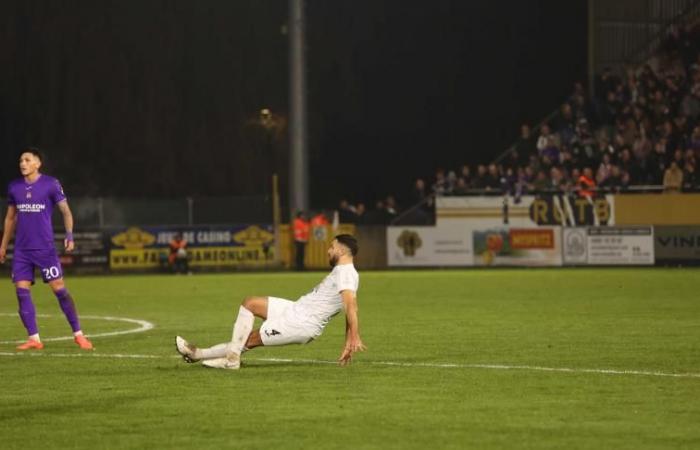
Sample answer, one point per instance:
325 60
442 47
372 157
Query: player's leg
52 273
251 307
67 304
280 328
23 277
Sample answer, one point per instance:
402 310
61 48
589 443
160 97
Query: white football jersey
318 306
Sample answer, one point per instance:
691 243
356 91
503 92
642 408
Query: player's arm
353 343
8 230
68 224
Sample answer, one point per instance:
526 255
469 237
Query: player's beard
333 260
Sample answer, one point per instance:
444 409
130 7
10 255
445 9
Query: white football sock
216 351
35 337
241 331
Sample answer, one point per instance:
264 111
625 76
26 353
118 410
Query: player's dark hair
34 151
349 241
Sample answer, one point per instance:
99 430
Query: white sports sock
241 330
35 337
216 351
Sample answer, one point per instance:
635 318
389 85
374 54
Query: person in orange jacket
178 254
301 229
586 184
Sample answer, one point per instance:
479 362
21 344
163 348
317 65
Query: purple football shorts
24 262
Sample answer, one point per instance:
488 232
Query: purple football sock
26 311
68 307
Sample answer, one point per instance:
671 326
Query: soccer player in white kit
287 322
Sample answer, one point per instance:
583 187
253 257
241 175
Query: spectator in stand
608 110
462 188
586 184
604 169
391 208
440 186
673 179
694 143
656 164
543 139
541 182
466 174
630 166
479 181
346 212
451 182
556 179
613 182
418 194
678 157
583 145
564 124
509 181
493 179
690 179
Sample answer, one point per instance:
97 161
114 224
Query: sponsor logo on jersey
30 207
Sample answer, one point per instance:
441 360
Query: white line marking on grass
648 373
143 325
34 354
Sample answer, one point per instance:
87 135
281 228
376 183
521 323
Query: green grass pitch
495 332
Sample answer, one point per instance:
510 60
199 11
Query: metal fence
91 212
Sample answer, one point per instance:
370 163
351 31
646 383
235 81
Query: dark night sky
147 97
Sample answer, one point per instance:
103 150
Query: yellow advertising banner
657 209
152 258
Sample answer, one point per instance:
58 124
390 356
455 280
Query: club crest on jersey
29 194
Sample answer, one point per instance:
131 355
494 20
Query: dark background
161 98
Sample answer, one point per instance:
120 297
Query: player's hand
3 253
70 245
351 346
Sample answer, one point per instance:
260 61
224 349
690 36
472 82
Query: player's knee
248 302
57 285
23 284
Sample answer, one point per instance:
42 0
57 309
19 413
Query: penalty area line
647 373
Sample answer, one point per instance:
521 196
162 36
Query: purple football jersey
34 203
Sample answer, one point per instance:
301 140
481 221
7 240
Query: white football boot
185 349
232 361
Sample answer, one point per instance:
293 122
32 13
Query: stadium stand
638 132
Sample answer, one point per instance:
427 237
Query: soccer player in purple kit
30 203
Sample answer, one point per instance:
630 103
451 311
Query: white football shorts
281 327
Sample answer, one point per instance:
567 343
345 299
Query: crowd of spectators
383 213
641 128
640 131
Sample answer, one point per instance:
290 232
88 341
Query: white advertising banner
429 246
609 245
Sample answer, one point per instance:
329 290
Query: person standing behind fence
301 237
178 254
